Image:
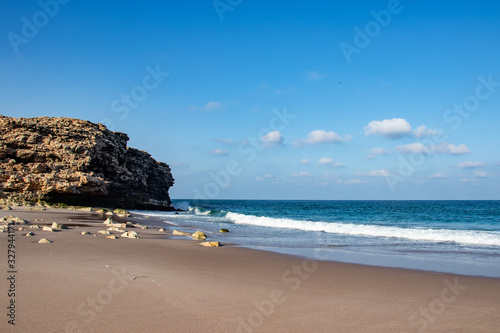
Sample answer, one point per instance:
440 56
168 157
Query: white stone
44 241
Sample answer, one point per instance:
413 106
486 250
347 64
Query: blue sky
274 100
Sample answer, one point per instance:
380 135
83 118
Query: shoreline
160 283
431 262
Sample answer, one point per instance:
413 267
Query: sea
459 237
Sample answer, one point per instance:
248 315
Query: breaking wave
491 238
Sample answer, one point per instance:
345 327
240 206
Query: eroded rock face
77 162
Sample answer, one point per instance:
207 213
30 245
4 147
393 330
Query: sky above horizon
272 100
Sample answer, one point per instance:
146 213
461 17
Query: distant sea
460 237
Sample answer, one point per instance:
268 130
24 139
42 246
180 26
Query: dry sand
85 283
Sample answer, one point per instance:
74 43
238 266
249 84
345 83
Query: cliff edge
76 162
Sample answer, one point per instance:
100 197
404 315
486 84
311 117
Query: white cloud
448 148
301 174
480 174
354 181
442 148
437 175
304 161
390 128
423 131
272 139
315 75
397 128
212 106
321 136
412 148
374 173
219 151
466 180
330 162
374 152
379 173
470 165
266 176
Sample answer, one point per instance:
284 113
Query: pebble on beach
199 235
56 225
44 241
180 233
211 244
130 234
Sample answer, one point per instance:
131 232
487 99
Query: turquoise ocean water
445 236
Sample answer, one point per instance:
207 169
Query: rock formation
76 162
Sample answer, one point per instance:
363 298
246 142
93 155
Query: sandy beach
86 283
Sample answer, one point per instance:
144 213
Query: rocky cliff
77 162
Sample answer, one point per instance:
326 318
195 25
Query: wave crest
433 235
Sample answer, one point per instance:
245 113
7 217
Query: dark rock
77 162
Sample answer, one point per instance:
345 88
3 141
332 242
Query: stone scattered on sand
180 233
35 226
130 234
121 213
112 237
22 229
85 209
38 220
6 208
210 244
44 241
110 223
56 225
104 232
162 230
199 235
223 230
12 219
84 233
29 234
115 229
46 228
144 227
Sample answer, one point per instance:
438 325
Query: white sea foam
199 211
433 235
183 205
